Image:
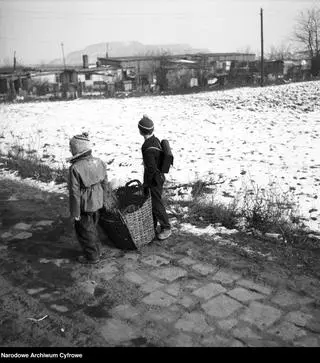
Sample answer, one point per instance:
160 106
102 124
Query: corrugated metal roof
182 61
100 70
132 58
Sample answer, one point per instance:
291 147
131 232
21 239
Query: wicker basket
116 229
130 194
139 221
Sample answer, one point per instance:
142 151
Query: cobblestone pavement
185 291
172 293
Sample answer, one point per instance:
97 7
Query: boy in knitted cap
88 192
153 178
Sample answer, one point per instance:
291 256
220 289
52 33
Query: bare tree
7 61
247 50
162 55
284 51
161 72
307 30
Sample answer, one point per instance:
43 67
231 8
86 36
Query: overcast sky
35 29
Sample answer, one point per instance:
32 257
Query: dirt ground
49 300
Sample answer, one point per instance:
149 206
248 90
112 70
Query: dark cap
145 124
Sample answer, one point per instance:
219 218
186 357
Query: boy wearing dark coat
153 178
88 192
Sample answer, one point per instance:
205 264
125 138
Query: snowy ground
268 135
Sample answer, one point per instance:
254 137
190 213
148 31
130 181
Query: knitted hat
80 144
145 124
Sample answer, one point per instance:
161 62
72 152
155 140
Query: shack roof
183 61
176 56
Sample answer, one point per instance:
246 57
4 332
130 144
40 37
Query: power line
92 16
262 64
33 40
74 12
1 37
64 61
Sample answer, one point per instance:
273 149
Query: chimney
85 61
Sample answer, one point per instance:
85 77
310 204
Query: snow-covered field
263 134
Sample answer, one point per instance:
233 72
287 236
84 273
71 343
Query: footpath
182 292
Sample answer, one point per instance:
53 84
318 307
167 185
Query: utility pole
138 73
14 61
64 61
262 64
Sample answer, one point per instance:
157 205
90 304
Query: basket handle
134 181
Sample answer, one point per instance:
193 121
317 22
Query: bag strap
154 147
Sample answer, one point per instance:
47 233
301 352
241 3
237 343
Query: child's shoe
164 234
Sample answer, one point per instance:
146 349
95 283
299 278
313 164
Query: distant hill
124 49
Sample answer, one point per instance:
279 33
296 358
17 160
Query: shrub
212 213
270 210
29 167
28 164
201 209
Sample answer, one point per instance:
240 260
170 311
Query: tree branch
189 185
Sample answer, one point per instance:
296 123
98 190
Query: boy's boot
164 234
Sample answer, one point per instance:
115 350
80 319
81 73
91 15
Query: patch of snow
22 226
57 261
6 235
44 260
245 134
210 233
22 235
44 223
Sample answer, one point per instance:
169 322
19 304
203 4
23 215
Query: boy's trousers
158 209
87 234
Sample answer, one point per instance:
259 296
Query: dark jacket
151 160
88 185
